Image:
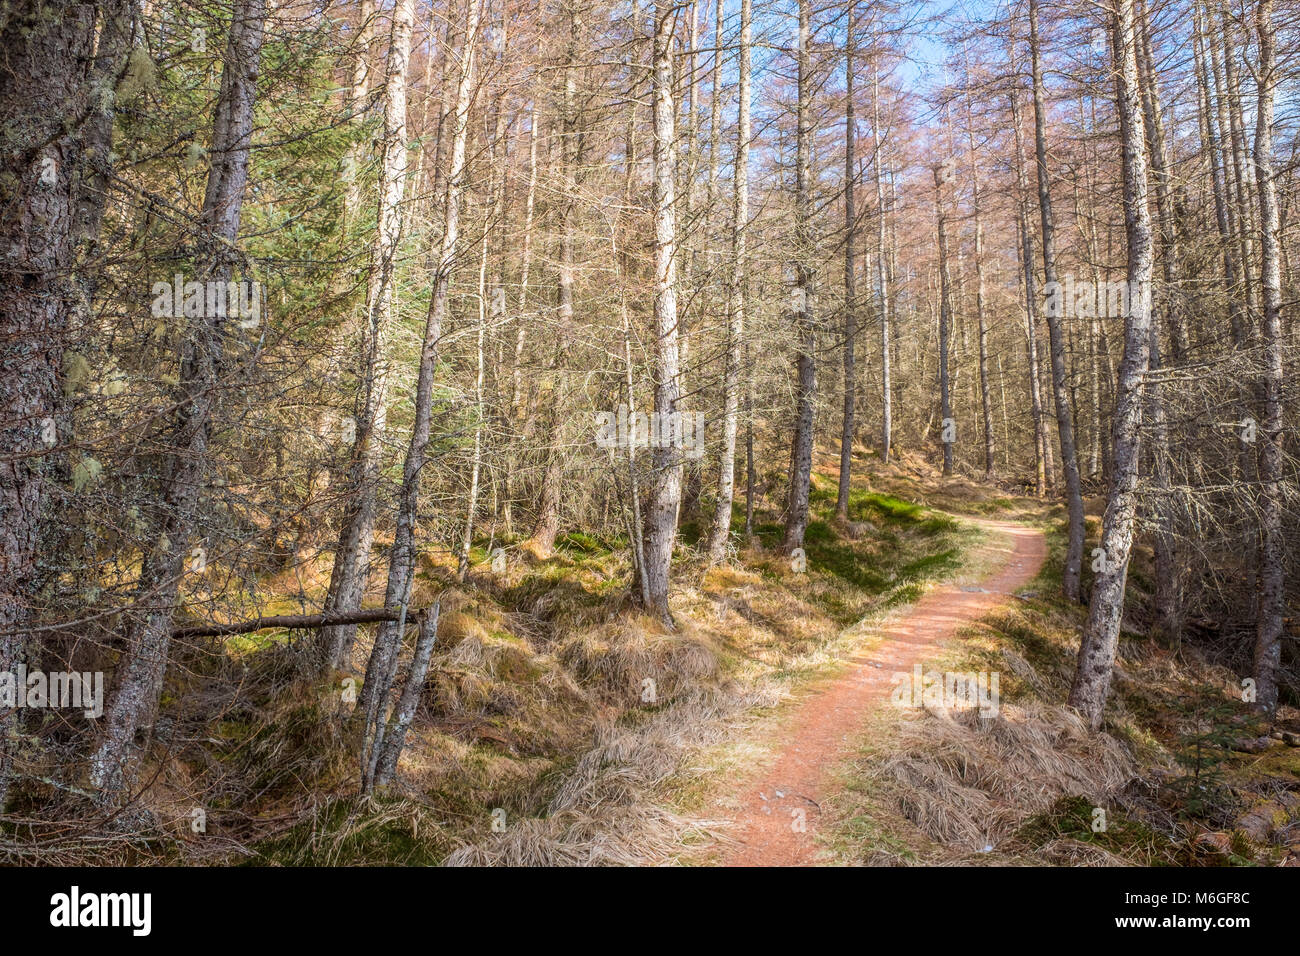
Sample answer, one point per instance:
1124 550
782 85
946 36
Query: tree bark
986 404
286 622
357 100
665 480
1166 304
1031 303
1272 596
1070 578
796 520
945 318
47 60
401 567
351 569
139 677
547 523
883 298
394 739
721 529
1096 660
850 273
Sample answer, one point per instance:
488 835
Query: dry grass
968 781
1023 788
747 637
611 809
536 703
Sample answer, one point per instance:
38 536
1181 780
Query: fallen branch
368 616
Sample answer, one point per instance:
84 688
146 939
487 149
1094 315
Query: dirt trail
817 735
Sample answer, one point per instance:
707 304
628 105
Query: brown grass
968 781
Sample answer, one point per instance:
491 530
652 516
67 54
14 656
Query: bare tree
381 667
850 270
352 556
1070 580
883 299
665 482
1105 610
1026 244
140 671
942 174
721 528
981 318
1272 598
547 522
796 518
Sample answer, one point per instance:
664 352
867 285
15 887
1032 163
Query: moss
864 505
354 832
930 565
1073 818
582 543
844 562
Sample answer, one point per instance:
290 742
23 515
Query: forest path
769 829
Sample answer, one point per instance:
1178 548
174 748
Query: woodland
483 432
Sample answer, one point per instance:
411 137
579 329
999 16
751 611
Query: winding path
780 811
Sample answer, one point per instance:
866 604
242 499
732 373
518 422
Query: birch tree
1272 600
796 520
1070 580
381 666
850 272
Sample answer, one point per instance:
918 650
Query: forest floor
563 729
560 727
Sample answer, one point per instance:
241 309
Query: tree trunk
394 738
46 61
946 423
401 567
352 556
721 529
547 523
665 481
882 274
850 273
1106 609
796 520
1166 304
1031 303
140 671
986 404
1272 598
476 461
358 97
1070 578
